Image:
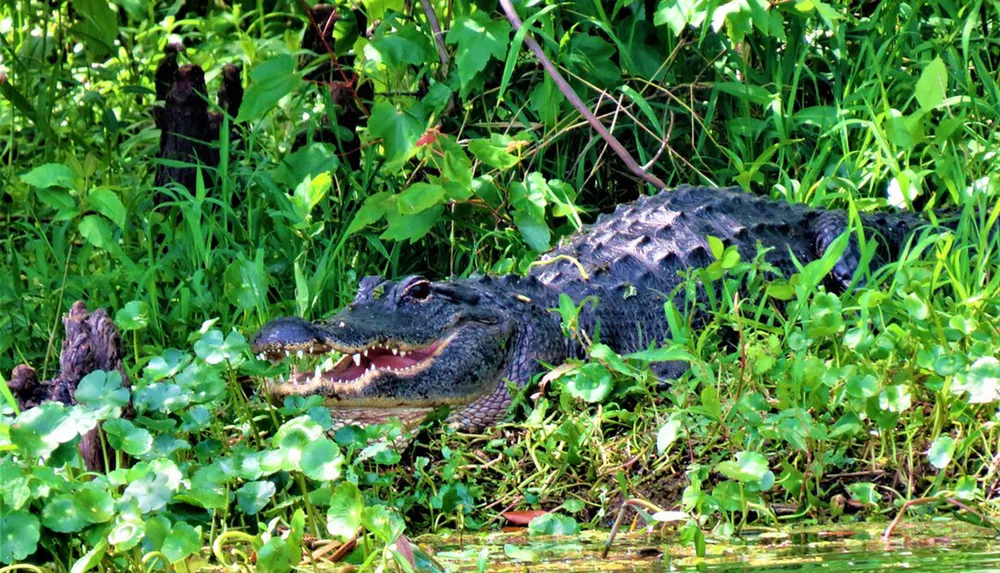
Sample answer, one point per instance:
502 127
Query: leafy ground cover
467 158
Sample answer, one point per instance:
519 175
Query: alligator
404 348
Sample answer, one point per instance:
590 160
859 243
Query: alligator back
633 256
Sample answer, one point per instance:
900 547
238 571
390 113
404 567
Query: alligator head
400 350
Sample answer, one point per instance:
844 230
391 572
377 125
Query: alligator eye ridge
419 290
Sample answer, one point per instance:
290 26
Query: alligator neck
536 339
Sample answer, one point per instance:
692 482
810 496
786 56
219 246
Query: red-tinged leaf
405 549
523 517
429 136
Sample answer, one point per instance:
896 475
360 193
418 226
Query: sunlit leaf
553 524
271 80
254 495
941 452
749 466
932 87
344 515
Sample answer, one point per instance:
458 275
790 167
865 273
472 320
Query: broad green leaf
383 522
38 431
271 80
895 399
154 488
941 452
494 151
49 175
96 230
589 56
966 488
534 231
344 516
716 246
377 9
399 129
553 524
932 87
254 495
246 281
133 316
374 208
126 535
531 196
19 535
99 28
308 161
418 197
163 397
182 542
917 308
862 386
981 380
107 203
101 389
62 515
166 365
903 131
124 435
321 460
273 557
479 39
865 492
309 192
748 467
411 227
92 558
405 45
213 349
679 14
849 424
295 435
592 383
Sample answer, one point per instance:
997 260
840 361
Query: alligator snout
286 333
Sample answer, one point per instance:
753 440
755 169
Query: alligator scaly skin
634 260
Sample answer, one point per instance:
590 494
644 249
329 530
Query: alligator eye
419 290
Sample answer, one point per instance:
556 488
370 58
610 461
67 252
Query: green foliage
477 164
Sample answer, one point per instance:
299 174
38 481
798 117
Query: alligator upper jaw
316 368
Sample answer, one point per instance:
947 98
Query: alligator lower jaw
315 371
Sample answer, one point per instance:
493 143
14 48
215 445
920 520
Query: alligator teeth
394 351
261 356
287 354
357 359
300 354
365 353
402 353
316 375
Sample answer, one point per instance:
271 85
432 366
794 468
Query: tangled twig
574 99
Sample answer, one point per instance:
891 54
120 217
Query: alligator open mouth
345 368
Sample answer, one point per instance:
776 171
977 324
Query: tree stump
92 343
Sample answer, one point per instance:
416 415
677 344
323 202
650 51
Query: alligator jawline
357 366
